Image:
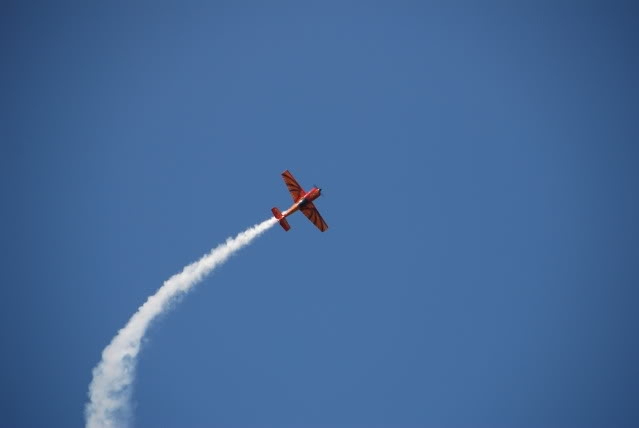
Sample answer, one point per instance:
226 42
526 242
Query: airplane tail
283 222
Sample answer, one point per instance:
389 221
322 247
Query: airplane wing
314 216
293 186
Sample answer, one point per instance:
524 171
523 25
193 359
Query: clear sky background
479 165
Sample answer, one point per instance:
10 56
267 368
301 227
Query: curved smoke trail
110 389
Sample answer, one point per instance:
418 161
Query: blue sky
479 167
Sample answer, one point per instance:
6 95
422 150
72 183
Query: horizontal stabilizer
285 225
276 213
283 222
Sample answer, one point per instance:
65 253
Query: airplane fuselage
309 196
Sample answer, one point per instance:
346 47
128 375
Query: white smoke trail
110 389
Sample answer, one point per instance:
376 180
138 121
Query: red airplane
302 201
